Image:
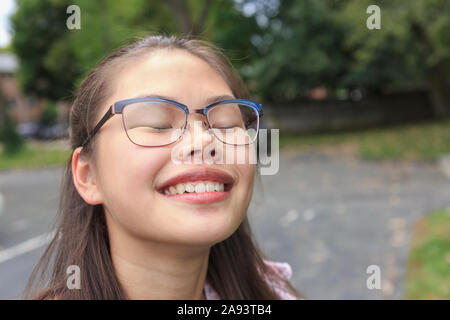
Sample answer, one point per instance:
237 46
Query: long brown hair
81 236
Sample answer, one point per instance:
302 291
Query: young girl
134 222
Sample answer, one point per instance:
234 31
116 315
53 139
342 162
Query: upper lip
203 174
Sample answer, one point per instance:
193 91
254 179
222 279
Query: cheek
244 189
245 185
243 159
128 175
132 166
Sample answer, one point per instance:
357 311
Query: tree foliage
46 61
282 48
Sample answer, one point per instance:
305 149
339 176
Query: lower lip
201 197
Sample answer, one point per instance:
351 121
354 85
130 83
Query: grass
33 157
413 141
428 270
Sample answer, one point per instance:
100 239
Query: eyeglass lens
157 123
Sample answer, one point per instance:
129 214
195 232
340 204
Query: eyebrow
208 101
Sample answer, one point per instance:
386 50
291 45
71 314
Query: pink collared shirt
281 268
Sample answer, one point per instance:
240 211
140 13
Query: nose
197 119
198 136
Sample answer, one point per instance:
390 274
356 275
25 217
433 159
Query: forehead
175 73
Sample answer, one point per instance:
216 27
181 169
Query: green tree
301 48
47 67
429 23
11 140
50 114
326 43
54 59
282 48
412 46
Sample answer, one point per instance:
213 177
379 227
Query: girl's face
127 178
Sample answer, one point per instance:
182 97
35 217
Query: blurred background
363 114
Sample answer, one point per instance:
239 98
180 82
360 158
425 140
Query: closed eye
230 127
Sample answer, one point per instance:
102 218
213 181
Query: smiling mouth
203 185
199 192
196 187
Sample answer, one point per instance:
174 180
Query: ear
84 179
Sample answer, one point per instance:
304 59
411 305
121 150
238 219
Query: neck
154 270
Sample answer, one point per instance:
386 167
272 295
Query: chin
210 232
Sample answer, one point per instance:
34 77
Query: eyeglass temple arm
107 115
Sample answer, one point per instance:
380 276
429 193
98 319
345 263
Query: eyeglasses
154 122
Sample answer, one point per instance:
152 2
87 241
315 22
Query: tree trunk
436 75
182 15
440 91
186 25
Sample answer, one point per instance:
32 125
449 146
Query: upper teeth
197 186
